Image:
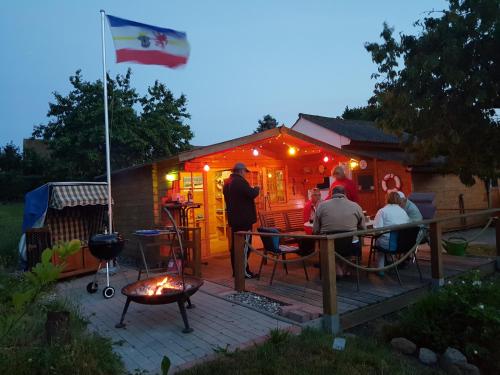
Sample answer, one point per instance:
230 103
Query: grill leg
125 308
182 308
189 304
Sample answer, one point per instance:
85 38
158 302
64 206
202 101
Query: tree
10 158
442 87
267 122
366 113
75 131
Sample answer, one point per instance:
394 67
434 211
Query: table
183 208
156 234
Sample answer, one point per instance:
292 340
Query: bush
11 219
465 314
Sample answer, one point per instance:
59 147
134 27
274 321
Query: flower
476 283
481 306
475 351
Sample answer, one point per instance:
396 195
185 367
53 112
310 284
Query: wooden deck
377 296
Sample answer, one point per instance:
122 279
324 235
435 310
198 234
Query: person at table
340 179
390 214
240 205
310 210
410 208
340 214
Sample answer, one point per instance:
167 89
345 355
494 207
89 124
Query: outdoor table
183 208
142 235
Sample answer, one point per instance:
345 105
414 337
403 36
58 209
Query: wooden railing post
239 262
197 252
436 255
497 237
331 321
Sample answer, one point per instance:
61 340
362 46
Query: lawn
311 353
11 219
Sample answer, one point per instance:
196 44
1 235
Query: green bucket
455 245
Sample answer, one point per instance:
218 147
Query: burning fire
163 284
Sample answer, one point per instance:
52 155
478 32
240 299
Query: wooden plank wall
133 203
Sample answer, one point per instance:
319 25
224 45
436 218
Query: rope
347 261
477 235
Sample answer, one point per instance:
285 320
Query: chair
344 247
400 242
273 248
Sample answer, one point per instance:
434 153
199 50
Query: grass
311 353
24 350
11 219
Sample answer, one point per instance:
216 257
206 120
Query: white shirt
391 214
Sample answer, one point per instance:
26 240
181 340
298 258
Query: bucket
455 245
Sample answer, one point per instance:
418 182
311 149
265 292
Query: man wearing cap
240 205
410 208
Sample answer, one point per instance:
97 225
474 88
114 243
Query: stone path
155 331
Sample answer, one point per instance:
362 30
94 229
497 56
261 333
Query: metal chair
344 246
400 242
273 248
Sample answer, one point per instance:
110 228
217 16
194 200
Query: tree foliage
10 158
75 130
267 122
366 113
442 86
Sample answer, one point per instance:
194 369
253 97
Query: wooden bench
285 221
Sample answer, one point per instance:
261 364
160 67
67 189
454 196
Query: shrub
465 314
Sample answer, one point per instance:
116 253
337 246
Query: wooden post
331 321
197 251
497 230
436 255
239 262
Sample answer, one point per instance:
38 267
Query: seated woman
390 214
310 210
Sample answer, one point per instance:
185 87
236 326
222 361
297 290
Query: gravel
258 302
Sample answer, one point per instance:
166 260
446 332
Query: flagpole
106 123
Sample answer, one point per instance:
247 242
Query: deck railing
331 318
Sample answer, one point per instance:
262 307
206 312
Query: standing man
341 180
240 205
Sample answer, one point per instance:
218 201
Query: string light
206 167
255 152
353 164
326 159
292 151
170 177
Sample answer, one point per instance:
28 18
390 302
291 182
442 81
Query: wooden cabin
286 164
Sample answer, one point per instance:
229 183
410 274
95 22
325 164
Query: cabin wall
133 203
448 189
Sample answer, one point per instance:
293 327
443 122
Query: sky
248 58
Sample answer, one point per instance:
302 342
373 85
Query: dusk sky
248 58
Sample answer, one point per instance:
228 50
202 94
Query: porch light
171 177
255 152
353 164
206 167
326 159
292 151
269 175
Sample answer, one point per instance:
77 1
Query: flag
145 44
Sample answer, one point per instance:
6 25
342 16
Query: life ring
396 179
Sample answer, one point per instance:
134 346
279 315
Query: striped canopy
78 195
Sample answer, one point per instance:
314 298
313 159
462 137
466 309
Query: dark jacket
239 197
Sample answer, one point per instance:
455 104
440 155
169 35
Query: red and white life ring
396 179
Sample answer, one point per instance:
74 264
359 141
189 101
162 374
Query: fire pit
161 290
165 289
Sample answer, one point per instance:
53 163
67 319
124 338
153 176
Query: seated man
339 214
410 208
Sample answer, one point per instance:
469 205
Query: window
276 185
